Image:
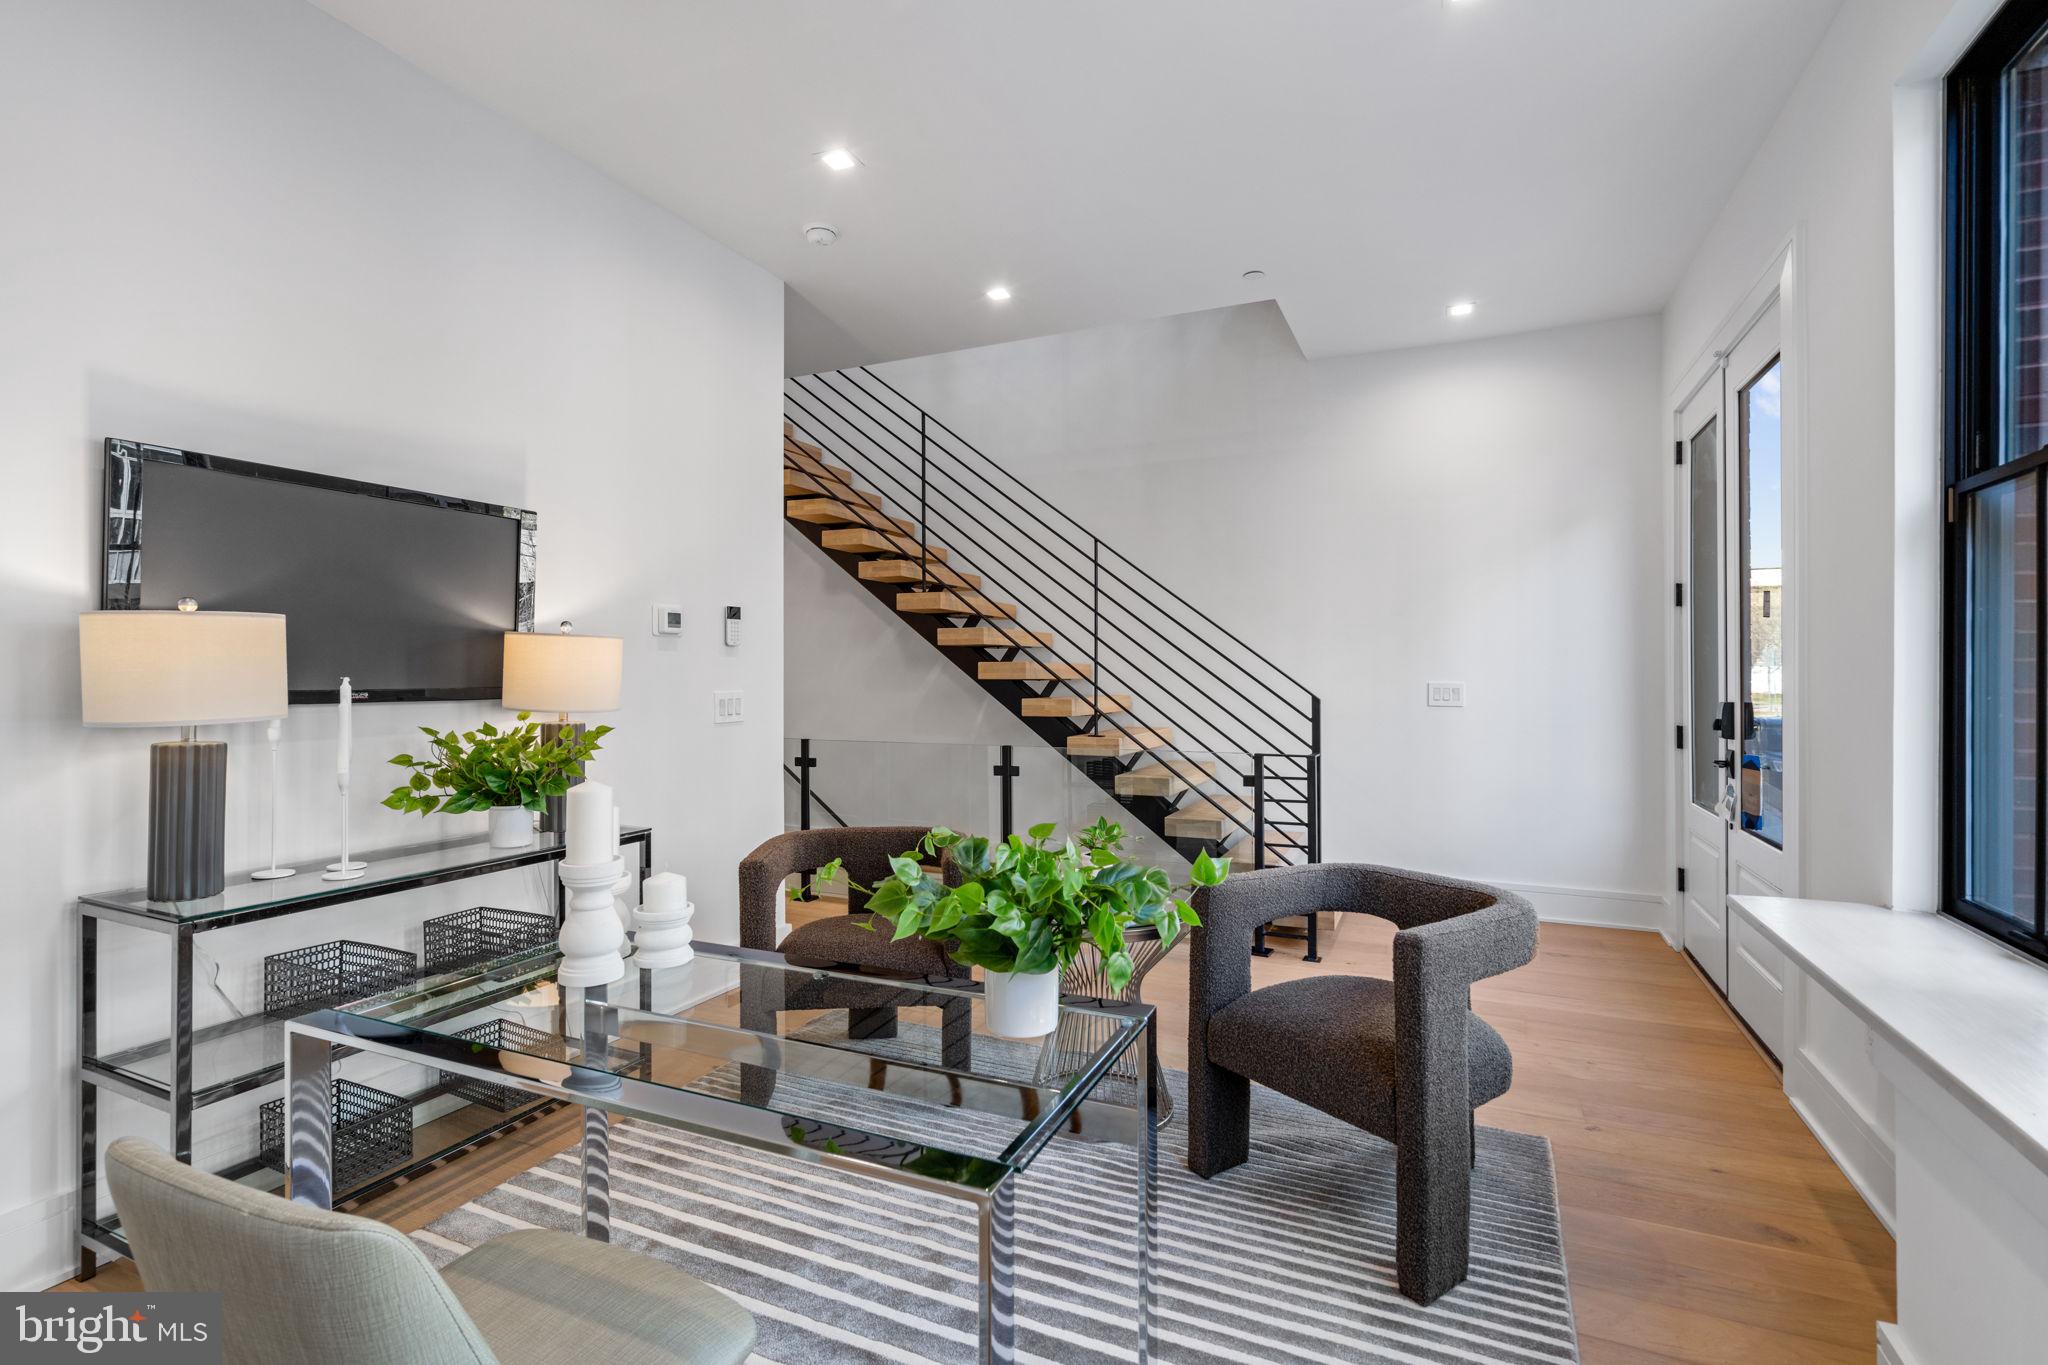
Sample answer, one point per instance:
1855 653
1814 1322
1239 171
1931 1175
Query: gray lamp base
188 816
555 819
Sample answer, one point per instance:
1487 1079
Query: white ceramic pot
511 827
1022 1006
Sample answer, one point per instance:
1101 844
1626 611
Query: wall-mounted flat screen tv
404 593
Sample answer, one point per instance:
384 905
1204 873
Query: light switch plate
727 708
1446 694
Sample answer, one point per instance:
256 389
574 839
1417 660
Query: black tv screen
405 593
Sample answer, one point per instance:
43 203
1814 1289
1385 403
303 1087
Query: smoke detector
821 234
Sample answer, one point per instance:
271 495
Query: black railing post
1315 779
804 764
1258 786
1006 770
924 553
1095 643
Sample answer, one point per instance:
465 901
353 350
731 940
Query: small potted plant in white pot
510 773
1025 907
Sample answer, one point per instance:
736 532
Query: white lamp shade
562 673
181 667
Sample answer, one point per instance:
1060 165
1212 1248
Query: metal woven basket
483 933
323 975
372 1133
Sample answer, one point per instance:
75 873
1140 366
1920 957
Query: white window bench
1917 1051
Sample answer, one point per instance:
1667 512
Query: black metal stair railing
1222 699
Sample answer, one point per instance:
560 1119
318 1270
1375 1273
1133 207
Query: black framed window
1997 470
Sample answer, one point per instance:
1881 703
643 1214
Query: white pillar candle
590 824
665 891
616 827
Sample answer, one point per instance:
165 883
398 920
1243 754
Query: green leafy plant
1028 905
486 767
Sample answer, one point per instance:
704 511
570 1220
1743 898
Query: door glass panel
1704 592
2001 709
2024 228
1762 674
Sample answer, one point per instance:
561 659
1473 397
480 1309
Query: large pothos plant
1028 905
486 767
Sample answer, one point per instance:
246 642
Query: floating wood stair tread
1005 636
866 540
911 571
1216 816
796 484
807 459
1168 778
954 604
833 512
1073 707
1029 670
1276 856
1114 743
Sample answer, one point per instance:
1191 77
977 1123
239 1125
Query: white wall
1826 172
238 226
1488 512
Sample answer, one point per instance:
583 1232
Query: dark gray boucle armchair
1406 1059
842 941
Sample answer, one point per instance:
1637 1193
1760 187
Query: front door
1737 775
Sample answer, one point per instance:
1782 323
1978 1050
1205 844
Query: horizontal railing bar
1192 634
1106 545
1034 567
1098 717
1278 694
1167 716
1039 568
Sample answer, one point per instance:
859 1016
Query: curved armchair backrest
299 1286
865 849
1220 950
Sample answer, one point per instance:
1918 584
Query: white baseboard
1639 910
39 1244
1850 1140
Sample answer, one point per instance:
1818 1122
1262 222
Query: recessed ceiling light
839 159
999 293
1463 308
1254 275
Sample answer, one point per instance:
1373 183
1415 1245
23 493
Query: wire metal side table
1081 1037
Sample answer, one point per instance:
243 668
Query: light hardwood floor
1702 1221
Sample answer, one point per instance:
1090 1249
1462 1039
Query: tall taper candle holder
274 733
591 933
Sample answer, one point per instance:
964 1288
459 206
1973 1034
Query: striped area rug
1287 1258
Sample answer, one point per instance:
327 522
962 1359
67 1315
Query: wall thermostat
668 620
732 627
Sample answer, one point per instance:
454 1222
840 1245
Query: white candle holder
661 938
591 933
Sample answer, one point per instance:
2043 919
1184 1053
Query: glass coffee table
881 1076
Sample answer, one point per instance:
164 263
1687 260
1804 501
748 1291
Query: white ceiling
1556 160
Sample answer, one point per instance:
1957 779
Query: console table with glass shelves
190 1068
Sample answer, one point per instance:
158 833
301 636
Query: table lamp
556 674
187 668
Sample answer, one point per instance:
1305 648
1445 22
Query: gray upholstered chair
842 941
303 1286
1406 1059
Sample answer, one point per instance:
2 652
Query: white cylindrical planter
511 826
1022 1006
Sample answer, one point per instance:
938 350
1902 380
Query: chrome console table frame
593 1015
178 1096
